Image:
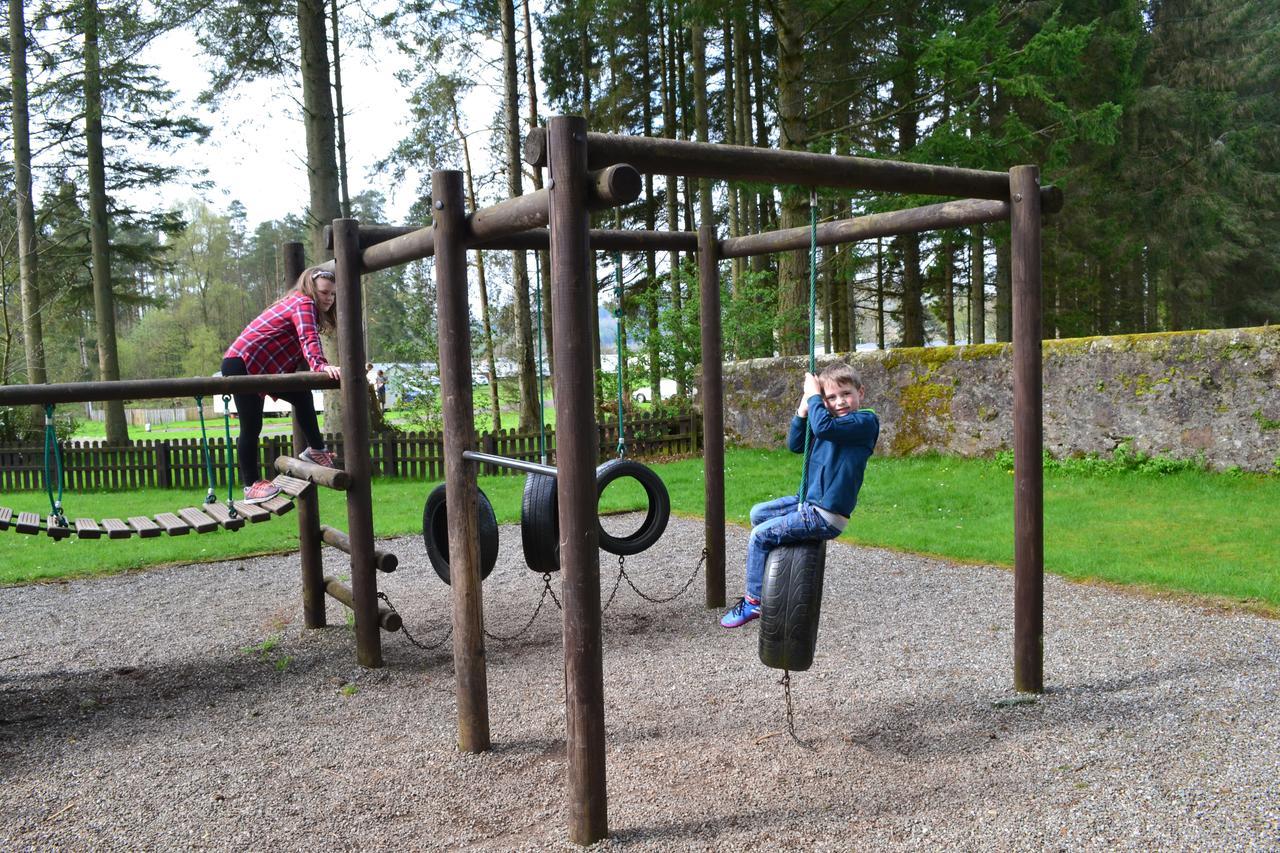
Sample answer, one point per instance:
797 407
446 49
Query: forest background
1160 120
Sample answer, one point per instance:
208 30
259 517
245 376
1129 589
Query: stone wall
1178 394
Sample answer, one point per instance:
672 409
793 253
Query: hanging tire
540 523
435 532
656 517
790 605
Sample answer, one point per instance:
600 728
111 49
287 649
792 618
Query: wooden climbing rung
199 522
146 527
56 530
116 529
6 515
223 516
87 528
278 505
28 522
172 525
253 512
291 486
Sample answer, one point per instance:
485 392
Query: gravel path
185 708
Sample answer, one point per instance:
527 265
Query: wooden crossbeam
223 516
116 529
199 522
146 527
172 525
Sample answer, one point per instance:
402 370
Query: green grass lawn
1190 532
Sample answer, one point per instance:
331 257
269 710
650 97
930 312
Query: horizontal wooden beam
389 619
950 214
616 184
372 235
150 389
321 475
385 561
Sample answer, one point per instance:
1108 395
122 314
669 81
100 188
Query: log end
535 147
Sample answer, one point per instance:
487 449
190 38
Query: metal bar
950 214
144 389
469 665
355 436
1028 463
508 462
739 162
576 455
712 416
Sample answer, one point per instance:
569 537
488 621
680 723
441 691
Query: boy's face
841 399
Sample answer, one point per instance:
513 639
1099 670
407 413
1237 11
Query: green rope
230 454
813 322
542 415
617 315
51 449
211 497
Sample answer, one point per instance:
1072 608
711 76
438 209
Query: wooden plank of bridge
252 512
28 522
172 525
6 516
87 528
146 527
199 522
116 529
223 516
278 505
55 529
291 486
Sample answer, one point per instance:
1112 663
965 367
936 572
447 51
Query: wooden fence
180 463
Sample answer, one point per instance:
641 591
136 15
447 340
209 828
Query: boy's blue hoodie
841 447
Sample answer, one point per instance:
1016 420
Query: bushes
1124 459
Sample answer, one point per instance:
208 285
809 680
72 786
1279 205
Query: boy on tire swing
844 435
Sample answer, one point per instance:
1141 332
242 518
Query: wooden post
1028 496
576 450
355 441
308 503
163 476
469 666
712 414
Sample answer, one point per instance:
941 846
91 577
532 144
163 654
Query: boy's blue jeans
780 522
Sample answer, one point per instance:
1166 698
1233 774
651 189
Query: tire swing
435 532
791 599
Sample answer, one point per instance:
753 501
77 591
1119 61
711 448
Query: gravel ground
186 708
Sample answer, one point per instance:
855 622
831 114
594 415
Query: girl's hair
839 373
306 285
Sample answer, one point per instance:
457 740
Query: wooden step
87 528
116 529
223 516
278 505
199 522
55 529
6 516
28 522
252 512
146 527
172 525
291 486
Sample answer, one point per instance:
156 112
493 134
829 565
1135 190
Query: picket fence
180 463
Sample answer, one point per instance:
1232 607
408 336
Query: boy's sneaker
260 492
320 457
740 614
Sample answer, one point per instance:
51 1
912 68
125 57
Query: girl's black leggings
249 407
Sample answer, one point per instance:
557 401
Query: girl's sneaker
740 614
260 492
320 457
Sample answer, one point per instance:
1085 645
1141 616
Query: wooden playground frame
591 171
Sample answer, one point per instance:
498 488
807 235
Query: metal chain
404 629
786 690
622 573
617 582
546 588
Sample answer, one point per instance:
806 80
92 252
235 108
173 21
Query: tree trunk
317 117
948 287
904 95
792 281
341 127
543 259
1004 289
100 248
977 282
652 286
28 264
